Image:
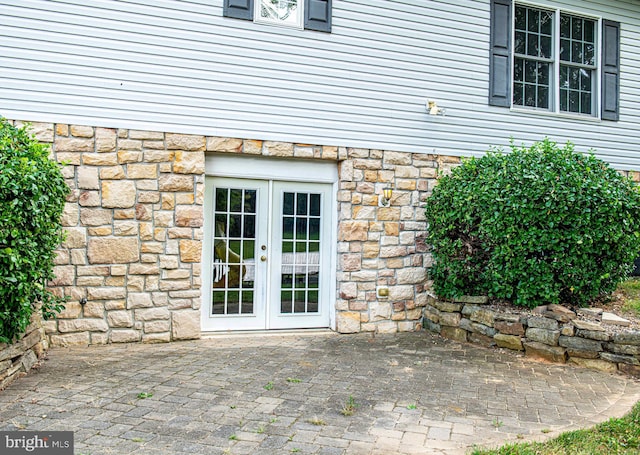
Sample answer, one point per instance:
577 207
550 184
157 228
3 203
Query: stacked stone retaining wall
552 332
18 358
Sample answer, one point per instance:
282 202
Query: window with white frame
301 14
280 12
555 61
551 60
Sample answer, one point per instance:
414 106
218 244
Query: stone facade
130 265
18 358
553 333
131 262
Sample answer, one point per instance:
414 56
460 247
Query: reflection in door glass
299 275
234 251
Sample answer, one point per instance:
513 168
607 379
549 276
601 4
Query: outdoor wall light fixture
433 109
387 192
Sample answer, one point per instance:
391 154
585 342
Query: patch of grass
273 420
630 290
233 437
143 395
496 422
268 385
411 406
294 380
316 421
613 437
349 407
260 429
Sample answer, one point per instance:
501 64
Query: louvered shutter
500 54
240 9
610 70
317 15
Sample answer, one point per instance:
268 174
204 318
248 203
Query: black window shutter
610 70
240 9
317 15
500 54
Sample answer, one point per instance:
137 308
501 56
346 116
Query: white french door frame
275 173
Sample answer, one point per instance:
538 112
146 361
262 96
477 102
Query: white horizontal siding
180 66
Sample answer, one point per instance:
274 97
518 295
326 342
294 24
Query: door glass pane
300 257
234 249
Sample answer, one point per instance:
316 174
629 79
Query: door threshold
267 333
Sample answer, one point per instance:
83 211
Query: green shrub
32 197
535 226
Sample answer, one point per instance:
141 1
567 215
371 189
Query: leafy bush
32 197
536 226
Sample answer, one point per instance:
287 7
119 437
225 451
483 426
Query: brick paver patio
277 394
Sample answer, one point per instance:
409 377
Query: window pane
576 51
247 302
315 205
217 306
287 227
518 72
221 225
301 206
221 199
530 95
518 94
314 228
533 20
589 54
235 203
565 50
564 100
235 225
301 228
546 22
574 101
521 18
543 97
287 205
576 28
250 226
565 27
543 74
585 80
532 44
585 103
286 302
280 11
250 201
520 46
589 28
545 47
531 72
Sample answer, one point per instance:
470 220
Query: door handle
263 258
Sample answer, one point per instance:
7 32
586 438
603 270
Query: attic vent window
280 12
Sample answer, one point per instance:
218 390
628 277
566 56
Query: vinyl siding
180 66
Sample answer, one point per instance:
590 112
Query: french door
267 264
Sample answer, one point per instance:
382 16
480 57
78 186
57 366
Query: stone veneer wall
552 333
18 358
131 262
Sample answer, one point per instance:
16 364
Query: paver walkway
279 394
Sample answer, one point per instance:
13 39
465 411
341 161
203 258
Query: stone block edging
18 358
552 333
